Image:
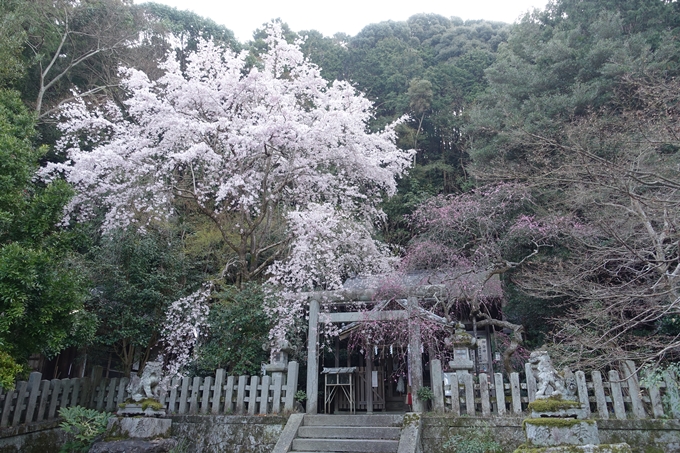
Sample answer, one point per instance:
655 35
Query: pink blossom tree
468 241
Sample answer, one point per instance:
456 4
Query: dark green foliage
84 424
581 107
40 292
328 53
563 63
136 276
187 27
239 329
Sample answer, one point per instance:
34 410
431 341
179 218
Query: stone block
139 427
549 432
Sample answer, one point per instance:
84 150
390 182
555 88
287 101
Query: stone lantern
461 342
278 360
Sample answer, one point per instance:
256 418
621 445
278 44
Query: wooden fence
36 400
620 396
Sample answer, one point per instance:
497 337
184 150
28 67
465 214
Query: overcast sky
347 16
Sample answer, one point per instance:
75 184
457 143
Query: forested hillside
544 152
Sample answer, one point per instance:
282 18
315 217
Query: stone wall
507 431
227 433
644 436
42 437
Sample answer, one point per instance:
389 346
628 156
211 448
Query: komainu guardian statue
549 384
146 386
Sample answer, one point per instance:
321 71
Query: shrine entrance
371 391
375 384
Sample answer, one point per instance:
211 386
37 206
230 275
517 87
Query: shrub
85 425
425 394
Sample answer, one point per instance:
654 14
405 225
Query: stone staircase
378 433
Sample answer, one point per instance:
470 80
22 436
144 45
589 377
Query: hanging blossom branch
185 320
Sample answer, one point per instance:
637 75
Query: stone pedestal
551 432
560 426
139 427
136 435
136 409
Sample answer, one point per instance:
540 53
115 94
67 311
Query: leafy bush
8 370
653 376
238 330
85 425
300 396
425 394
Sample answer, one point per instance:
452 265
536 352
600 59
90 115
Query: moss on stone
653 449
411 418
553 405
150 403
555 422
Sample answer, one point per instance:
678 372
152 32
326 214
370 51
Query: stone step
349 432
354 420
346 445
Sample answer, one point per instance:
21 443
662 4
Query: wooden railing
36 400
620 396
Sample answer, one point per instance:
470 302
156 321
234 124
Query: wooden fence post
229 396
264 395
515 392
484 394
33 390
531 382
630 376
617 396
241 394
598 389
291 385
437 381
582 388
500 393
217 394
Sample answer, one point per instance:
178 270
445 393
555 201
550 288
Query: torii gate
347 296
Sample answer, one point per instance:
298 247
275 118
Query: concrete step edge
346 445
349 432
382 420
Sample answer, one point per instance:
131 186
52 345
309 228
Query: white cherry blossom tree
245 146
278 159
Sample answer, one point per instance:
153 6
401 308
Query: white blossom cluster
184 321
240 140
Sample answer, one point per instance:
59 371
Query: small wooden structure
339 378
